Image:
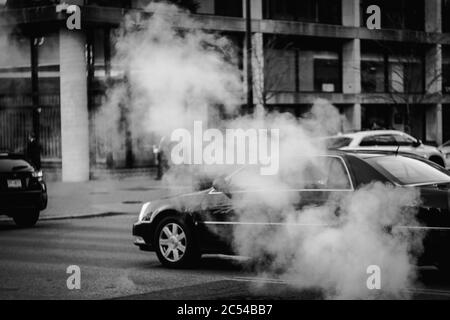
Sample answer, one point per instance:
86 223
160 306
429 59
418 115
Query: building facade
56 80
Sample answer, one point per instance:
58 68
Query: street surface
33 265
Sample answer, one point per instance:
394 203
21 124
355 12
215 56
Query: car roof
362 134
367 154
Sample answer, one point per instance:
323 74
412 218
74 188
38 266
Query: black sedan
181 228
23 193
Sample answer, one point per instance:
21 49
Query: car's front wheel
175 243
26 218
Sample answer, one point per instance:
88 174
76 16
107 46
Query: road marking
265 223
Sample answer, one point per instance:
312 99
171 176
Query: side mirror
417 143
221 185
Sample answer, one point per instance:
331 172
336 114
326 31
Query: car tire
27 218
175 243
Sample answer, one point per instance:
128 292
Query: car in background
23 192
183 227
385 140
445 149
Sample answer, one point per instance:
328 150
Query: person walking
33 151
161 158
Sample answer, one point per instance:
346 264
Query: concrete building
395 77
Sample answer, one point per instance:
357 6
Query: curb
85 216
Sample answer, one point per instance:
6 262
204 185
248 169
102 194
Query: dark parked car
23 193
181 228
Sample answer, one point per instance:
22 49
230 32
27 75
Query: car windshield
11 165
338 142
326 173
409 171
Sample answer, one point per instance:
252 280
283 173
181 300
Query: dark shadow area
430 276
231 290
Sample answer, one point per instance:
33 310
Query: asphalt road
33 265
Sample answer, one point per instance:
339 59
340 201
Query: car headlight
143 211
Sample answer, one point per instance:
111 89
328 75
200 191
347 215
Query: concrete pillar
433 87
74 106
258 65
351 61
256 7
353 118
439 125
257 53
351 66
350 13
433 125
351 78
433 69
433 16
433 75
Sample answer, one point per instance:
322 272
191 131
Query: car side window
403 140
328 173
368 142
379 140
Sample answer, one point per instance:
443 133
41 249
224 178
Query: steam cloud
177 76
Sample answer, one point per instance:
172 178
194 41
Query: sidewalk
102 197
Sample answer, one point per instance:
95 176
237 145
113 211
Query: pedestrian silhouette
33 152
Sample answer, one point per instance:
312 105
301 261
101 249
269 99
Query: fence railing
16 121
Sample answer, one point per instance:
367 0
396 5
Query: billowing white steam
177 76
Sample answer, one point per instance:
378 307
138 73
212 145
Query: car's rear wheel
175 243
26 218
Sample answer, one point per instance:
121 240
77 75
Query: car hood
181 202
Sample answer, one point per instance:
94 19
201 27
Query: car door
217 216
327 180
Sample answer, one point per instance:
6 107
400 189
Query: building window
298 70
397 14
372 73
229 8
316 11
327 72
406 74
15 67
395 69
279 69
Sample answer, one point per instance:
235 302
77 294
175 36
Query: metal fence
16 121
